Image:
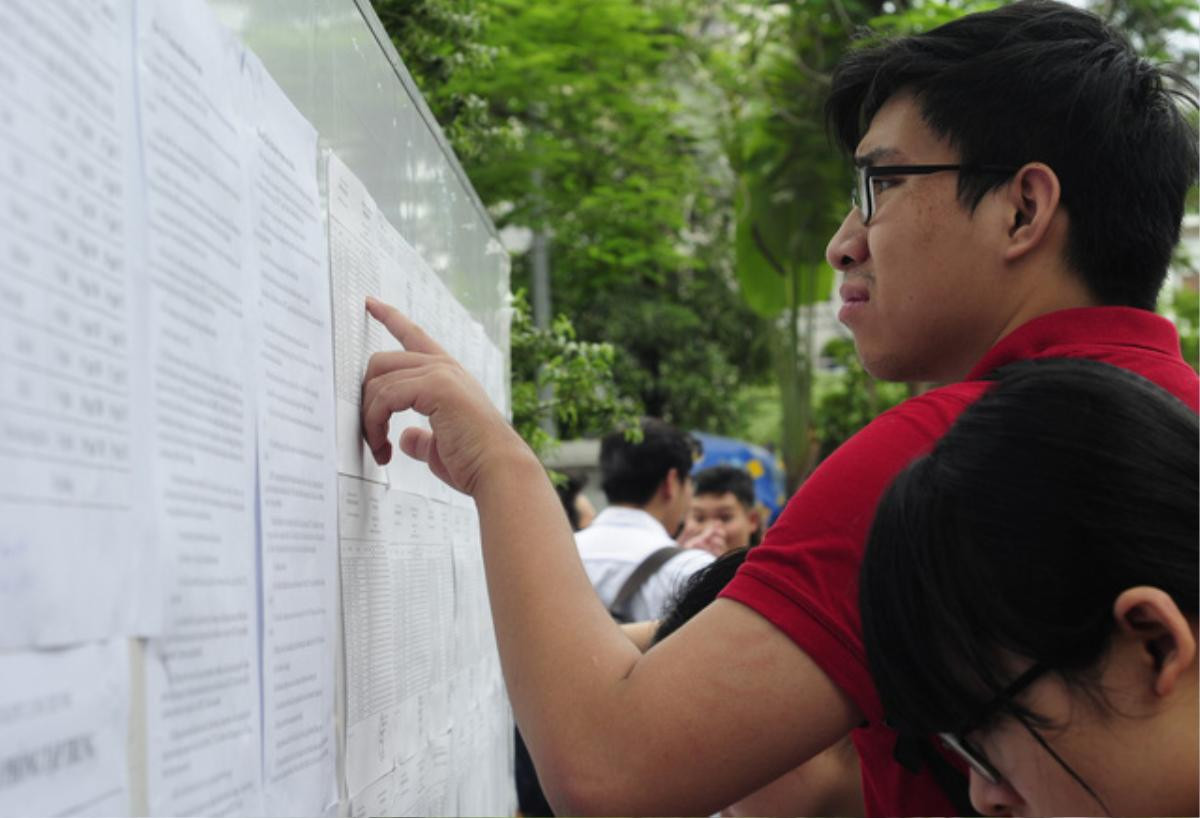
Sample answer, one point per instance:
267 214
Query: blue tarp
760 463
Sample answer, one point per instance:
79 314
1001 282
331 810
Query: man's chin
884 367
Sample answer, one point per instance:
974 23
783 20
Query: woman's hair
698 592
1065 484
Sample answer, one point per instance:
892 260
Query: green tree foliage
441 43
575 375
847 398
792 187
1185 309
686 182
1159 29
637 207
898 20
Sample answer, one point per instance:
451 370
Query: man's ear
1151 617
670 485
1031 202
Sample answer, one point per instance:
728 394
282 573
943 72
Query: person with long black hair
1029 595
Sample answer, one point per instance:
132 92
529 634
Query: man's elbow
572 790
579 786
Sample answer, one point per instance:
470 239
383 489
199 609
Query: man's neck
655 510
1071 293
1041 292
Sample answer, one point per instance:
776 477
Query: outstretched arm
716 710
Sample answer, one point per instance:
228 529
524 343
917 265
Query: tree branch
761 244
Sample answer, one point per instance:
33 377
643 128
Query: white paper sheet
474 341
205 751
296 454
368 603
472 627
406 280
64 718
74 548
355 268
143 334
376 799
368 256
437 792
399 597
414 579
407 788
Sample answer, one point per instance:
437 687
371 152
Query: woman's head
699 592
1051 535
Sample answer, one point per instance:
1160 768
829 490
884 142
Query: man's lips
855 296
854 293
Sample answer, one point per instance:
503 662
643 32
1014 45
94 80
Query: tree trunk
793 358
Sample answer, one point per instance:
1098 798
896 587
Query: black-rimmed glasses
979 762
966 749
863 195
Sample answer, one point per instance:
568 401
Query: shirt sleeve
803 578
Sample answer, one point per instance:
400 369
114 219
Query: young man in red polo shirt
1022 177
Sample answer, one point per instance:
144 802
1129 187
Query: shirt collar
1052 334
630 518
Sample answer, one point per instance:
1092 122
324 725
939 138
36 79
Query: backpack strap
646 569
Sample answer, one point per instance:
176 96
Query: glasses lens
972 755
862 197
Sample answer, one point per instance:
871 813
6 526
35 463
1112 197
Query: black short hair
725 479
631 472
1064 485
568 491
1041 81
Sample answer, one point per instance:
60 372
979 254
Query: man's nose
848 246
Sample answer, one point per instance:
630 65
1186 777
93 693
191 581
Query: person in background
1021 182
579 509
1030 592
585 510
649 488
724 515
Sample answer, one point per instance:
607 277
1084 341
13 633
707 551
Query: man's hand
467 436
710 538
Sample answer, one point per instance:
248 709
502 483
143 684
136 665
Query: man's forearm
605 724
562 655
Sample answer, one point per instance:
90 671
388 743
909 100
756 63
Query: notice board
212 601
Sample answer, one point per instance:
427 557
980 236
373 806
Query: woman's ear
1031 201
1151 617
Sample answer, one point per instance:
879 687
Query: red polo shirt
804 576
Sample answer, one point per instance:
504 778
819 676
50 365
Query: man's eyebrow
873 157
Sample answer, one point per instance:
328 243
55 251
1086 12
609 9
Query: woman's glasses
970 752
978 761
